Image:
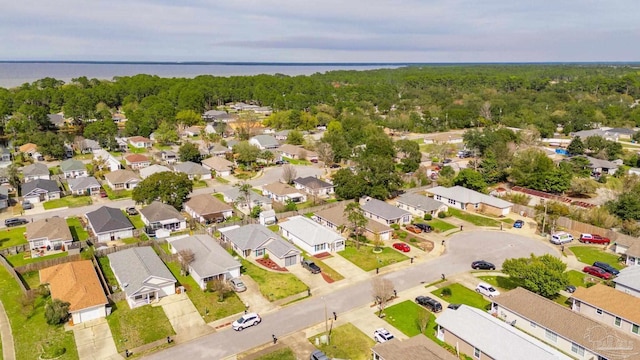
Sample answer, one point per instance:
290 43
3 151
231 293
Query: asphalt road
463 248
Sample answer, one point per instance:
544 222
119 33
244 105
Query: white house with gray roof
153 169
142 275
232 196
310 236
36 171
192 170
314 186
462 198
73 168
420 205
384 213
264 142
158 215
40 190
253 241
84 186
211 261
628 281
475 332
109 224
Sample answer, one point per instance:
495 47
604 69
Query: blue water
14 74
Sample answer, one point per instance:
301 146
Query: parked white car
382 335
245 321
561 237
487 290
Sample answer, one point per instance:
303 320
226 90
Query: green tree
168 187
353 213
189 152
409 154
626 206
102 131
583 186
188 118
544 275
56 312
470 179
166 133
295 137
247 153
349 185
244 197
576 147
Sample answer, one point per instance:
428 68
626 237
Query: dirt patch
269 264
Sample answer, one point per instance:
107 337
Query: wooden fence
13 273
36 266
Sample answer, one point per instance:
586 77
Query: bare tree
220 287
382 292
245 195
186 257
358 221
485 111
302 154
289 174
325 153
422 320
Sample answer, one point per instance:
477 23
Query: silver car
237 285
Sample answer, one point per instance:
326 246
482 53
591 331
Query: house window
320 247
577 349
475 206
635 329
599 311
452 202
618 321
438 197
550 335
259 252
476 353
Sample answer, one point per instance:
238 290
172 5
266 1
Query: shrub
265 256
56 312
442 215
395 226
428 217
446 292
403 235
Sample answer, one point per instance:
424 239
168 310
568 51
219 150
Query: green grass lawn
136 150
207 302
367 260
328 270
31 333
590 254
347 342
105 266
19 260
31 279
219 196
77 231
502 282
296 161
136 220
282 354
406 316
440 225
221 180
576 278
509 221
68 201
117 194
462 295
135 327
199 184
274 228
474 219
12 236
274 286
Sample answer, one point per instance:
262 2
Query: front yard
501 282
474 219
589 254
462 295
68 201
441 226
274 286
117 194
12 236
135 327
367 260
406 317
347 342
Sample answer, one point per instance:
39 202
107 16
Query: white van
561 237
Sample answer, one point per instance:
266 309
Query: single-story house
417 347
109 160
314 186
217 116
158 215
233 196
384 213
56 120
469 200
282 193
297 152
73 169
420 205
628 281
193 170
281 135
609 306
50 233
36 171
599 167
310 236
207 209
255 241
150 170
84 186
566 330
211 261
88 146
122 180
109 224
28 148
142 275
334 219
78 284
37 191
140 142
168 156
264 142
443 138
137 161
474 332
218 150
192 131
220 165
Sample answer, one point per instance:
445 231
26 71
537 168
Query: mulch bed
269 264
327 278
322 255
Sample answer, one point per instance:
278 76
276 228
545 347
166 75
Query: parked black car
431 304
131 211
453 306
483 265
423 227
311 266
570 289
606 267
15 222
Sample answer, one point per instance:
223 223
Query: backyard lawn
12 236
135 327
19 259
31 333
590 254
77 231
440 225
502 282
282 354
474 219
68 201
347 342
274 286
199 184
367 260
462 295
207 302
136 221
405 317
31 279
105 266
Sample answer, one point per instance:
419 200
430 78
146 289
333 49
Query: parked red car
402 247
594 239
414 229
596 271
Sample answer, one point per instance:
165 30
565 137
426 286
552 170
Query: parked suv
606 267
311 266
431 304
594 239
26 205
382 335
15 222
245 321
318 355
487 290
561 237
423 227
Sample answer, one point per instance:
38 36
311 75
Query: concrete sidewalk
8 351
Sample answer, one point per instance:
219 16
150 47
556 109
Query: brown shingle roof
217 163
51 228
28 147
121 176
335 215
279 188
417 347
136 158
610 300
76 283
206 204
139 139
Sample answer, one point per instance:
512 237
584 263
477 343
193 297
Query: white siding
117 235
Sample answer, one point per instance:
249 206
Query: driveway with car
313 281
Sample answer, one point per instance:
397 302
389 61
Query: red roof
136 158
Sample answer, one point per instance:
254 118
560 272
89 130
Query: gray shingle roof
190 168
464 195
72 165
134 266
309 231
254 236
629 277
382 209
56 119
157 211
599 163
313 182
107 219
234 194
36 169
150 170
266 140
422 202
48 185
82 183
210 258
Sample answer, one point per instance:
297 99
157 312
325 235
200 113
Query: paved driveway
94 341
313 281
183 316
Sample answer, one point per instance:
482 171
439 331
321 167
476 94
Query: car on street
561 237
482 265
594 239
402 247
414 229
311 266
382 335
281 162
246 321
518 224
596 271
570 289
318 355
15 222
487 290
606 267
237 285
131 211
424 227
430 303
447 161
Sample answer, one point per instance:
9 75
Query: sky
321 31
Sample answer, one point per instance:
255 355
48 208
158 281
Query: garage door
290 260
91 314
